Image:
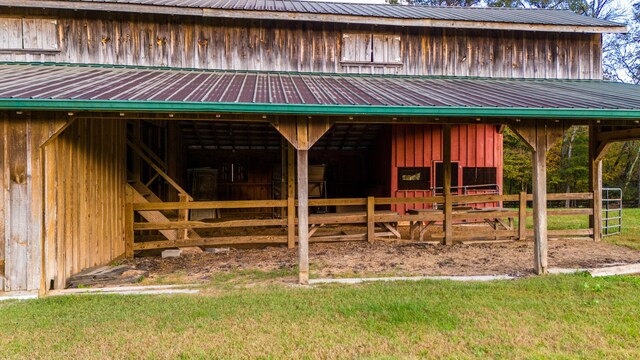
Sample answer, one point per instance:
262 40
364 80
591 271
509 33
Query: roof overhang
325 110
155 90
313 17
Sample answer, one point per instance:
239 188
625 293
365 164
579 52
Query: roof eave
313 109
295 16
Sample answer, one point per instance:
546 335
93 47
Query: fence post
128 230
522 217
183 215
371 224
291 222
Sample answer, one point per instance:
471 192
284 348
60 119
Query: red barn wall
476 145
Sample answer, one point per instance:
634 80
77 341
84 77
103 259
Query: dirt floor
348 259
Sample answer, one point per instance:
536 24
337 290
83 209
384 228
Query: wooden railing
368 217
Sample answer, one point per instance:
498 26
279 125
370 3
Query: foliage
517 164
622 52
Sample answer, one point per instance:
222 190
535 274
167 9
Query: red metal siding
421 145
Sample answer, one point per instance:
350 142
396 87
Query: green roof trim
313 109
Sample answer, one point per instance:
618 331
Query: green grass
630 235
551 316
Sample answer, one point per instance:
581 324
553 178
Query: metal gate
611 211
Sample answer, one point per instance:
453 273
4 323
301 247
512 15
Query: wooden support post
291 171
303 217
183 215
596 152
448 199
522 217
301 132
128 230
540 200
371 224
540 137
291 222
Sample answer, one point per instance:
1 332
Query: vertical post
595 184
303 216
284 155
448 200
183 215
371 224
291 172
522 217
128 230
540 199
291 222
291 196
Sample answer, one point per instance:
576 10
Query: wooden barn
136 125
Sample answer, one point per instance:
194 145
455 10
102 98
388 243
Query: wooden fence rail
369 217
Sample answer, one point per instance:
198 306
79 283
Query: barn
137 125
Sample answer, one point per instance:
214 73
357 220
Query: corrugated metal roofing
117 88
494 15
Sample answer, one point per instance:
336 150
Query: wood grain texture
159 40
86 165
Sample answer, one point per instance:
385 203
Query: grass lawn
549 316
256 315
629 237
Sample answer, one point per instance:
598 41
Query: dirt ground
348 259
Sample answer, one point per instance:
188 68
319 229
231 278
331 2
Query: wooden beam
448 200
291 223
303 217
528 132
371 224
626 134
596 154
539 163
302 132
522 217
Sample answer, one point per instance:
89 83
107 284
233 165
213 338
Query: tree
622 52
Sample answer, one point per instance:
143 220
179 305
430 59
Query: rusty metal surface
520 16
75 82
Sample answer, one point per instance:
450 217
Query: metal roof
376 13
78 87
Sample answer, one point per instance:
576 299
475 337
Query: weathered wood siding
70 191
421 145
86 177
187 42
21 184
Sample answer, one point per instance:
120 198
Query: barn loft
138 125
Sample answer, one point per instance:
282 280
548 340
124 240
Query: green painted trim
308 109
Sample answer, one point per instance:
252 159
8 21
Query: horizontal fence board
208 225
221 240
336 202
480 198
198 205
570 232
419 217
481 215
406 201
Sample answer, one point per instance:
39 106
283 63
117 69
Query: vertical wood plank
18 205
371 225
540 199
128 229
291 222
3 214
303 217
522 216
448 200
595 183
